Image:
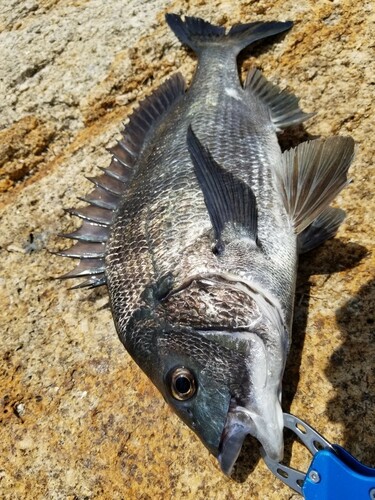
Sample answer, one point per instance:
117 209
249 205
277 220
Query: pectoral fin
311 176
227 198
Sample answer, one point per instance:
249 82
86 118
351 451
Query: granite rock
78 419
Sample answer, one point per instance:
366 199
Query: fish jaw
255 408
265 424
257 411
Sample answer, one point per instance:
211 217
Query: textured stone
78 419
22 149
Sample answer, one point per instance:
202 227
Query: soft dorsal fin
112 184
311 175
227 198
283 105
322 228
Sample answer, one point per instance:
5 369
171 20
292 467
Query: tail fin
198 34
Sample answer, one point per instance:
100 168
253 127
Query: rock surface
78 418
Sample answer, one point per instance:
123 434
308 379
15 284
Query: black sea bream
196 227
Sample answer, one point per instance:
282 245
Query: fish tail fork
199 34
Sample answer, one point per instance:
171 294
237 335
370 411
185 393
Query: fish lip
241 422
230 446
237 427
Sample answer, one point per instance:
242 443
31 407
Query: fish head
184 370
199 401
220 384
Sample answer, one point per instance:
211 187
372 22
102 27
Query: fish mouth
230 445
241 422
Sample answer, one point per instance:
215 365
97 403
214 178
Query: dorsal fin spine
112 184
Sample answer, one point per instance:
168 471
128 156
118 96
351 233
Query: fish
196 227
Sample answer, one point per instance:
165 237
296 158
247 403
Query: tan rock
78 418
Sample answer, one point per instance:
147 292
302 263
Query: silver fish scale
162 223
205 302
241 137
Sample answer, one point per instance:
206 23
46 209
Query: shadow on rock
352 374
335 255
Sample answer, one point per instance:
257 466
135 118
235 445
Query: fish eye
182 383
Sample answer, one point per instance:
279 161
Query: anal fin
311 175
283 106
228 199
323 228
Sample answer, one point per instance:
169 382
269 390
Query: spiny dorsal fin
323 228
283 105
112 184
311 175
227 198
198 34
93 214
144 119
